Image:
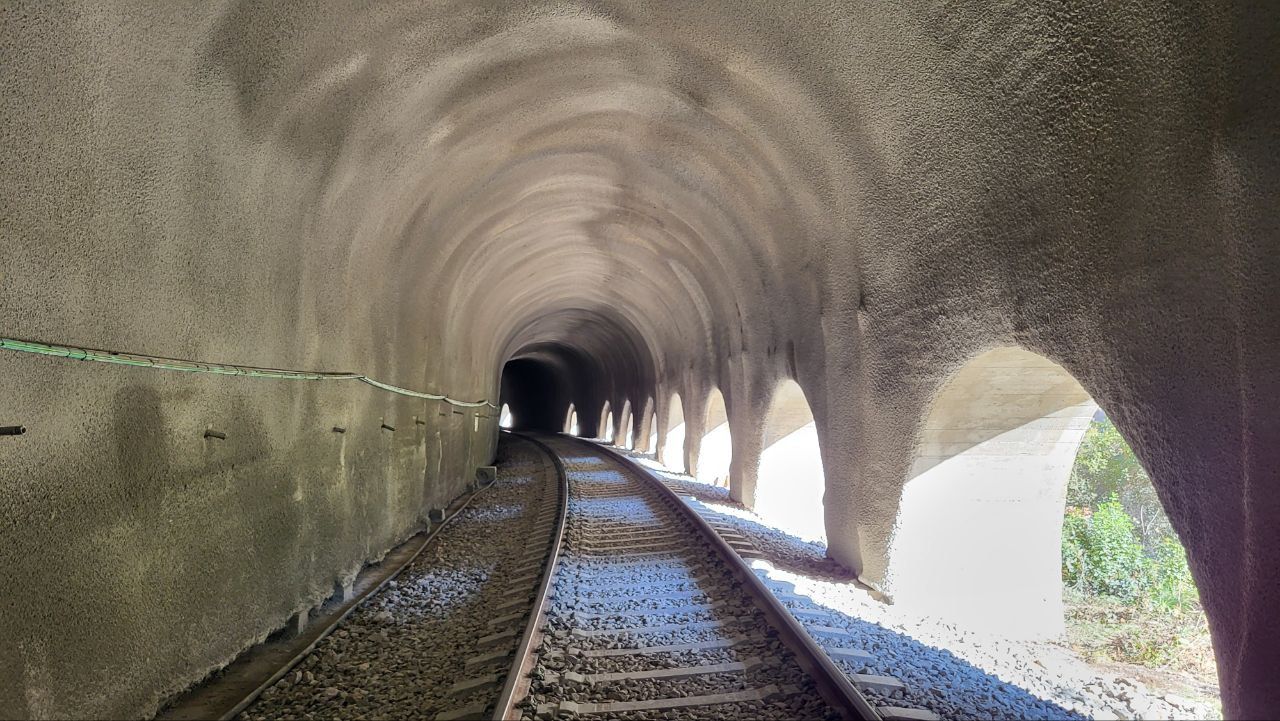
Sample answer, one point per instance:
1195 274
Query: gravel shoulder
952 672
399 653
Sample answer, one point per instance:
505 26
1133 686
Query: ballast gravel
601 594
398 654
951 672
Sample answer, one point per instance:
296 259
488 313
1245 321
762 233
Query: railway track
576 586
650 614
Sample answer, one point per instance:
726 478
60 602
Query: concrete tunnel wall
643 198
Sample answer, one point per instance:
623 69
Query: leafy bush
1101 554
1173 587
1130 595
1107 469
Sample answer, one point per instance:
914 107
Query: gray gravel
596 585
397 655
955 674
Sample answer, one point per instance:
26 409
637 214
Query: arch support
645 428
978 533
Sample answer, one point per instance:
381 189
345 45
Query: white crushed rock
954 673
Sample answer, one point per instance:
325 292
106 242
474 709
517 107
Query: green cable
226 369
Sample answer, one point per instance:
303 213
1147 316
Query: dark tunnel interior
538 398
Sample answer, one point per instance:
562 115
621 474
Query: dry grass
1169 652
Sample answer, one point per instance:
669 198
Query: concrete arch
715 450
790 481
978 533
621 436
672 442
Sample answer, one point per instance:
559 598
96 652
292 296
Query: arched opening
653 433
623 436
790 482
671 454
606 424
1129 593
533 392
504 418
571 421
716 449
978 534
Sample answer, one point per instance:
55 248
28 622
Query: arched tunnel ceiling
663 197
606 166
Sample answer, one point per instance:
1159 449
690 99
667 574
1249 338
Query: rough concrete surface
640 198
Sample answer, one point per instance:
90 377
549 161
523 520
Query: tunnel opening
978 534
504 417
715 453
1129 596
1027 517
671 453
606 424
790 482
646 432
623 437
534 394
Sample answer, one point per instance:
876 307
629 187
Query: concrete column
645 428
604 430
622 427
695 421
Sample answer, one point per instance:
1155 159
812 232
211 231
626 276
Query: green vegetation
1130 595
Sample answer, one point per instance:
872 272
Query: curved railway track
577 585
648 613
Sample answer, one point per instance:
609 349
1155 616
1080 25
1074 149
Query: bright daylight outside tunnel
618 359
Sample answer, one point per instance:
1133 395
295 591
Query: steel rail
831 682
182 709
516 686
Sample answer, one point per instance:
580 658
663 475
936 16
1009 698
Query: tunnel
271 271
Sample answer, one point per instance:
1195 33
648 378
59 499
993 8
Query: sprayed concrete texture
635 200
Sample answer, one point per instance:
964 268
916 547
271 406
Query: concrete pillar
978 533
622 428
645 429
605 430
695 421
